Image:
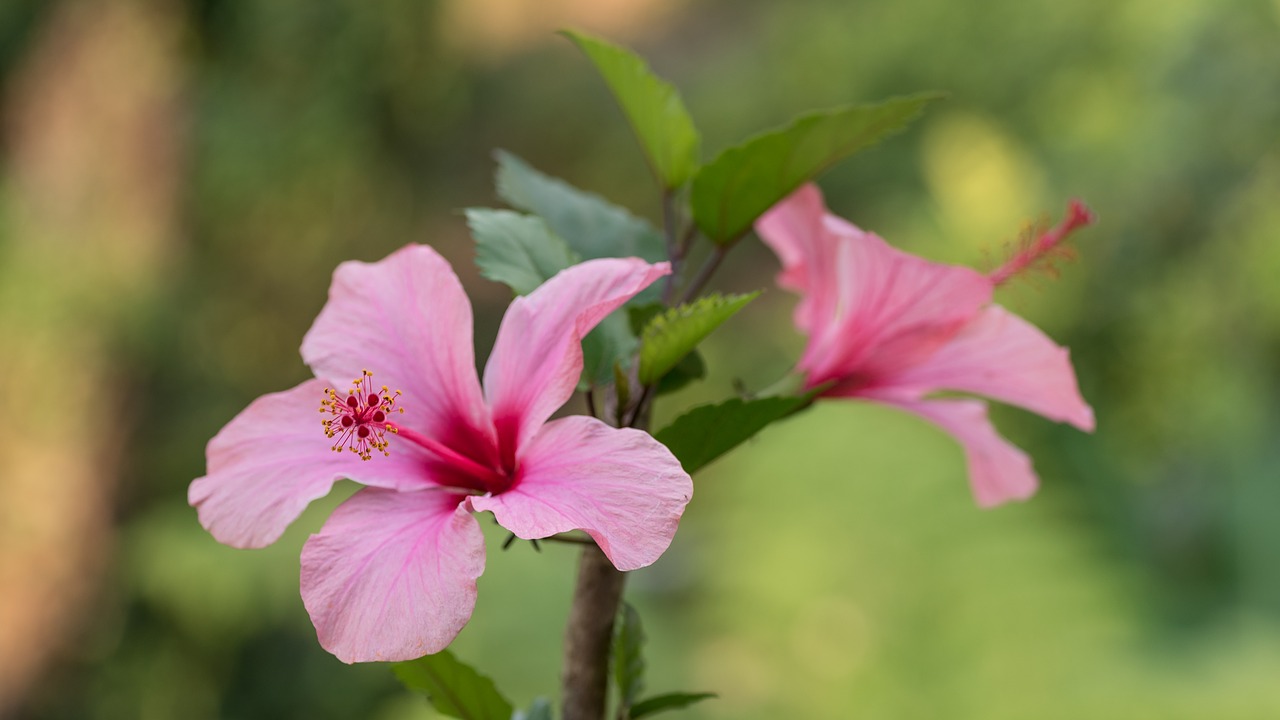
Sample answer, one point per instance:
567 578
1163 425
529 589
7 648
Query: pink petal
407 320
537 356
795 230
998 471
869 308
620 485
392 576
273 459
1002 356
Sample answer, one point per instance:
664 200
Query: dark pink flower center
358 422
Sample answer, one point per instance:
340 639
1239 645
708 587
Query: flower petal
998 471
407 320
537 356
868 307
795 230
1004 357
273 459
392 576
620 485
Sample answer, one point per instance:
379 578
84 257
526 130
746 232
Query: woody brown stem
588 636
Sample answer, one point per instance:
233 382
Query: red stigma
1040 253
359 423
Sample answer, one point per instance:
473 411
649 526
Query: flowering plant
607 305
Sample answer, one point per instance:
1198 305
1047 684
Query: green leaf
652 106
628 662
517 250
610 343
640 315
675 333
731 191
454 688
709 431
592 226
670 701
539 710
622 387
686 371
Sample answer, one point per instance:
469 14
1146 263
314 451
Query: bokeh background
178 178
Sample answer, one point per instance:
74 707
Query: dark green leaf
593 227
454 688
670 701
652 106
640 315
517 250
675 333
539 710
628 660
622 387
730 192
707 432
610 343
686 371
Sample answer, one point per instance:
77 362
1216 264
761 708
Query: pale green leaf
517 250
652 106
731 191
592 226
673 334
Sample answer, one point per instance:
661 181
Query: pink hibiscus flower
392 575
889 327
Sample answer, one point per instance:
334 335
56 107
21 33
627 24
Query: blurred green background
178 178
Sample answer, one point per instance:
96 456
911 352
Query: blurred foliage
835 567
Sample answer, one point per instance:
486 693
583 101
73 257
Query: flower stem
588 636
705 272
674 248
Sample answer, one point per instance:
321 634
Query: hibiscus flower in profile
892 328
392 575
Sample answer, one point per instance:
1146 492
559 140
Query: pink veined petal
537 356
392 576
795 230
894 309
998 471
1004 357
407 320
620 485
868 308
273 459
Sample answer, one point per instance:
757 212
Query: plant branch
674 254
642 404
588 636
686 240
708 269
